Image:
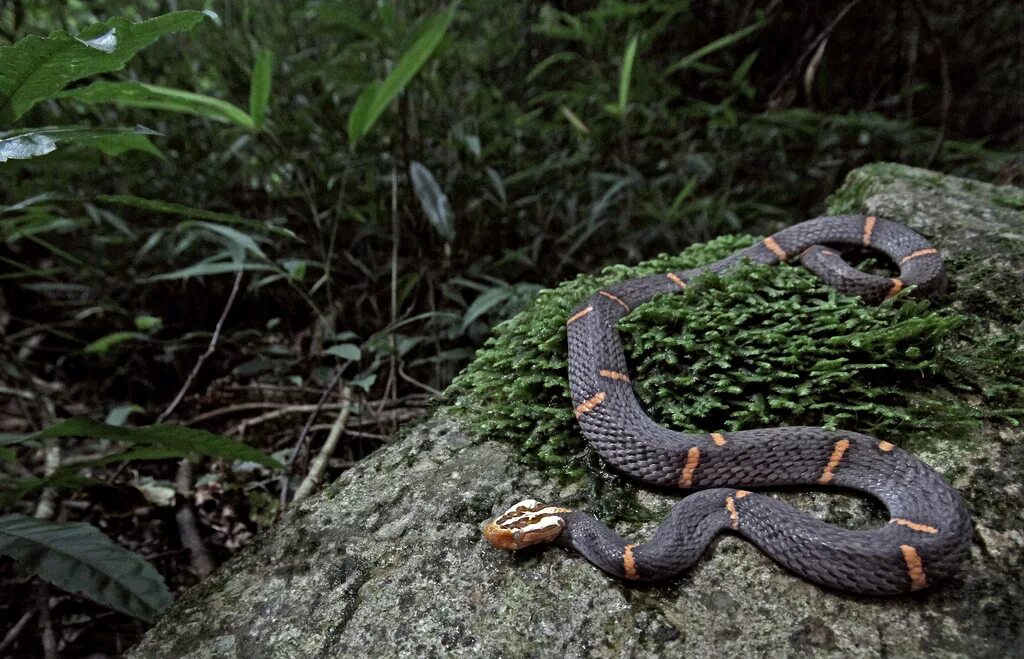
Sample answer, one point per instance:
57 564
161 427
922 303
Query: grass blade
714 46
259 87
626 74
371 104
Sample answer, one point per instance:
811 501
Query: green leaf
365 382
359 121
144 322
8 438
181 210
102 345
119 415
626 74
485 303
714 46
80 559
33 142
234 236
340 13
433 200
349 351
35 68
576 122
165 436
206 269
378 96
156 97
259 87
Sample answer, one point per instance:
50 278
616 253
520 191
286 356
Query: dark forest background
282 218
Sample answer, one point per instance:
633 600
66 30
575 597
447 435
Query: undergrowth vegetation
254 237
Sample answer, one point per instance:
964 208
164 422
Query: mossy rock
390 561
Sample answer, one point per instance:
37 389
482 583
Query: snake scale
929 530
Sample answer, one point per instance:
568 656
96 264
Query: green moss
761 346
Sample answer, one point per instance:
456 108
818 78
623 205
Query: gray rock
389 560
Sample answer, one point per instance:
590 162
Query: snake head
524 524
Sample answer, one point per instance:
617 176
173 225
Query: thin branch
188 529
813 47
316 470
395 235
286 472
209 350
411 380
47 635
12 634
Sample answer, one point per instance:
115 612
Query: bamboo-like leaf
485 303
714 46
376 98
433 200
626 74
79 559
232 235
102 345
157 97
207 269
574 120
35 68
181 210
259 87
165 436
33 142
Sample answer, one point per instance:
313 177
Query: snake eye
524 524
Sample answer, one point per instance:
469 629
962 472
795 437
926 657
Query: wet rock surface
389 559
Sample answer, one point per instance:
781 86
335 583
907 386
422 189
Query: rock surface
389 560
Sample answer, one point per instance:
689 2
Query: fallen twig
209 350
316 470
286 472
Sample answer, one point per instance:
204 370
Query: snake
929 530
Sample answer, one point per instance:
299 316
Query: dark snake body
930 529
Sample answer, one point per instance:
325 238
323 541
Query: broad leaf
433 200
156 97
377 97
166 436
32 142
119 415
348 351
259 87
485 303
35 68
181 210
79 559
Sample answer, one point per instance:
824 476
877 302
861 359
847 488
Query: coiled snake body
929 530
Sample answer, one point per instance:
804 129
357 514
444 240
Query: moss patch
761 346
